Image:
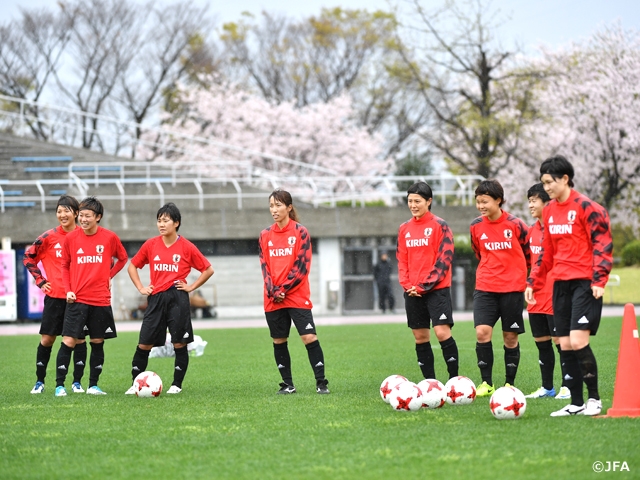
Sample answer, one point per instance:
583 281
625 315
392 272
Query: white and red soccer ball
148 384
389 384
406 397
434 394
508 403
460 391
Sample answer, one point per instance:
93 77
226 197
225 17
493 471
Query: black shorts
488 307
431 308
542 325
575 307
81 320
279 322
53 316
169 309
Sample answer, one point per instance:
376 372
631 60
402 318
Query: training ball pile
148 384
460 391
389 384
406 396
434 394
508 403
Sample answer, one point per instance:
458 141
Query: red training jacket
425 252
544 298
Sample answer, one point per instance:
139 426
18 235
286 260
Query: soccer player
425 253
285 258
170 258
541 312
499 241
577 245
48 249
87 270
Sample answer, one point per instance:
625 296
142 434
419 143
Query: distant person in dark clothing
382 275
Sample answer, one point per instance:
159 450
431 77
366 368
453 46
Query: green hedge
631 253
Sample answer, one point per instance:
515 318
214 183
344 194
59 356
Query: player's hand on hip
71 297
598 292
46 288
528 296
146 290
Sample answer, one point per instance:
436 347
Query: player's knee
309 338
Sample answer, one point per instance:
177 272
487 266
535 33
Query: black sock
79 361
316 359
182 363
547 361
283 361
62 364
42 360
561 365
139 362
572 376
484 352
450 355
511 362
589 369
95 363
425 359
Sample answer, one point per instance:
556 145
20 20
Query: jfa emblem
100 248
292 240
571 216
428 232
508 234
176 258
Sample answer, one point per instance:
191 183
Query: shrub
631 253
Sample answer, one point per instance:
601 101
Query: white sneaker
594 407
38 388
174 389
77 388
563 394
95 390
131 391
569 410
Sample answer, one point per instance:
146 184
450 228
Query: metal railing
317 191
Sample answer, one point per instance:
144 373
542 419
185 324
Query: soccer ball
433 393
406 397
508 403
388 384
148 384
460 391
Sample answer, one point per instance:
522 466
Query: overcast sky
550 22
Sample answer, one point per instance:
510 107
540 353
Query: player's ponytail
284 197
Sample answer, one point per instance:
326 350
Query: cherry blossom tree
320 139
590 112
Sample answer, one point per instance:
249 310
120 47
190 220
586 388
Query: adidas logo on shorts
308 327
515 325
108 330
186 335
583 320
443 317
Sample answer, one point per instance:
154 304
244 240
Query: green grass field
228 422
628 291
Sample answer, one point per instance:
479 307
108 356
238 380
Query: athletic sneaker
569 410
131 391
38 387
61 391
563 394
174 389
484 390
95 390
287 389
594 407
321 387
541 393
77 388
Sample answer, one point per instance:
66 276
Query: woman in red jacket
285 258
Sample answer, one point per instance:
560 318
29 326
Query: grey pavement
31 328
